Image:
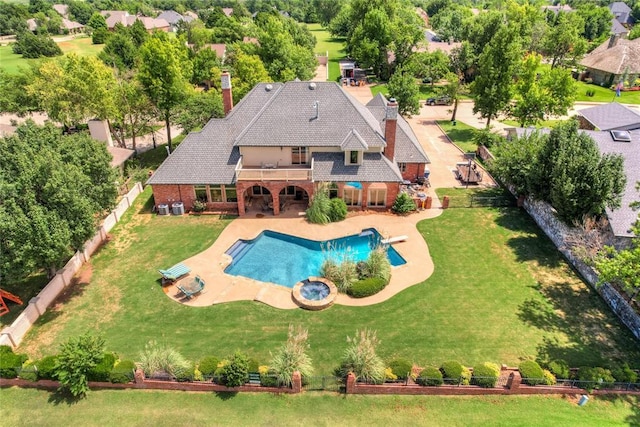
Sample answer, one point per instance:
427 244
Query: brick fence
140 382
13 334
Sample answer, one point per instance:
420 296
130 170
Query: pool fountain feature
314 293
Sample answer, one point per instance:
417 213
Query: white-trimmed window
353 157
377 195
351 195
402 167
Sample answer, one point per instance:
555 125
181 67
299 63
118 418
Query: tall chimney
390 125
613 40
227 98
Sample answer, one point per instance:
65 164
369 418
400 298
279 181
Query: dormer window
354 157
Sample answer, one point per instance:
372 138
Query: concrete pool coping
221 287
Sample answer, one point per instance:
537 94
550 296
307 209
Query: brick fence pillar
351 383
514 381
138 378
296 382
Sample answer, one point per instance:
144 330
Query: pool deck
221 287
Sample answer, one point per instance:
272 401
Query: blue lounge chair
194 287
174 273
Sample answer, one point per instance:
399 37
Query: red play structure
11 297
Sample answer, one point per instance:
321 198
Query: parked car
440 100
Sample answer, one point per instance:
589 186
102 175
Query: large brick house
282 140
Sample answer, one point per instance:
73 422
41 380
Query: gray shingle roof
375 167
278 114
408 148
619 7
612 116
624 56
623 218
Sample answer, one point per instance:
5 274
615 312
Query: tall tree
493 87
164 70
597 21
247 71
402 86
563 42
451 21
198 108
52 188
74 89
134 110
428 65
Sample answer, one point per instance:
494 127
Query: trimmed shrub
532 373
367 287
122 373
101 371
254 365
455 373
549 378
430 376
403 204
624 374
78 356
401 368
208 366
559 368
28 372
595 378
47 368
10 362
486 375
236 372
487 138
337 210
389 375
187 374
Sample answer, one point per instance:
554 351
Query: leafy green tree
96 22
428 65
133 112
597 21
52 188
138 33
119 52
198 108
538 95
493 87
634 33
563 42
81 11
206 67
621 267
30 45
247 71
13 94
13 17
480 30
76 359
164 70
515 161
450 22
327 10
74 89
402 86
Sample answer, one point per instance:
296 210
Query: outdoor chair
174 273
193 288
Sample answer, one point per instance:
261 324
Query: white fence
12 335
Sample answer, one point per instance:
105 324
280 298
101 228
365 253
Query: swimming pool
285 259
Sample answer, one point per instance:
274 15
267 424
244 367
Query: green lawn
28 407
603 94
543 124
426 90
11 63
500 292
461 134
327 43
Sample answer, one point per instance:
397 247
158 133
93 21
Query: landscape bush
292 356
186 374
10 362
487 138
531 372
319 207
403 204
595 378
28 372
367 287
549 378
559 368
208 366
360 358
199 206
455 373
78 356
235 372
342 274
430 376
377 264
157 358
47 368
122 372
401 368
486 375
101 371
624 374
337 210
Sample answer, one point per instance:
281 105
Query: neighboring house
607 63
283 139
609 117
228 11
173 18
62 9
114 17
618 29
627 144
557 8
621 12
67 26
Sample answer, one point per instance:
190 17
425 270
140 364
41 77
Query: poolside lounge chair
194 287
174 273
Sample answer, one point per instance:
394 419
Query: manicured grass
12 63
500 292
543 124
603 94
461 134
30 407
327 43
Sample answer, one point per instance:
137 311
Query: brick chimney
227 98
390 125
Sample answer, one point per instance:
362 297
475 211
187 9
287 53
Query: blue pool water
285 260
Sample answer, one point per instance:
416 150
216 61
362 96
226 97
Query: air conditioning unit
163 209
177 208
